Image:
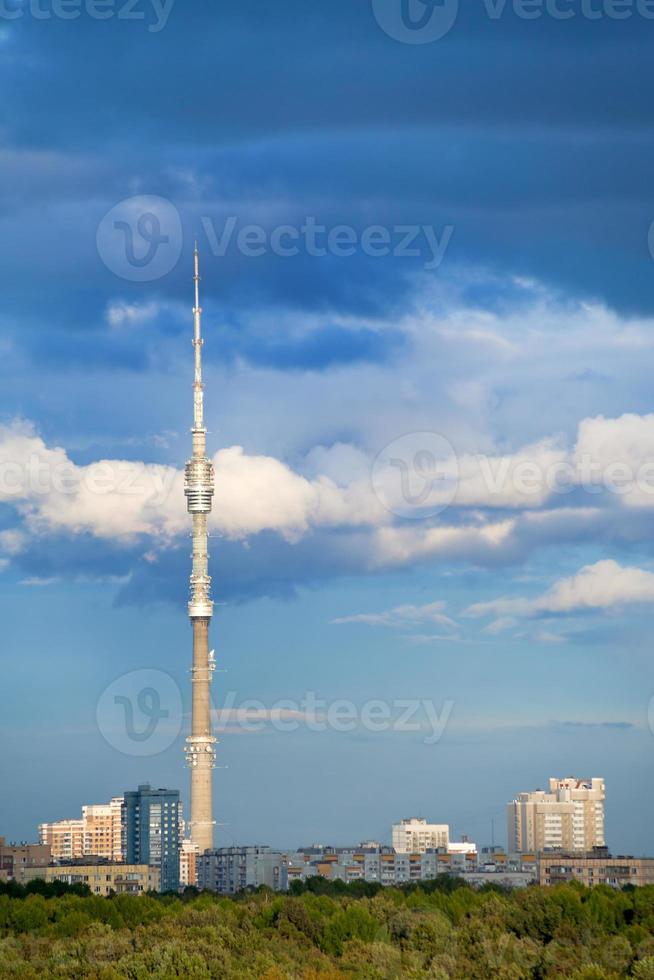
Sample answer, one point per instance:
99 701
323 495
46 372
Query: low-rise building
596 867
229 870
383 865
102 879
14 858
233 869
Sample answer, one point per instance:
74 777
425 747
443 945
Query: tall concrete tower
198 488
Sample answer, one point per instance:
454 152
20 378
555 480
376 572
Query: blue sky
511 351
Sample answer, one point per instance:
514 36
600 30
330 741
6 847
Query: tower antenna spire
198 489
198 387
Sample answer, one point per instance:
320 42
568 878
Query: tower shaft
199 488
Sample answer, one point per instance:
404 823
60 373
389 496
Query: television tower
198 489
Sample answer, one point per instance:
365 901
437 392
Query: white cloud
12 541
619 454
256 493
121 499
256 717
499 625
544 636
521 479
604 585
404 545
402 616
600 586
611 454
425 639
121 314
331 487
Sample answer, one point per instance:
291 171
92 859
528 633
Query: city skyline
570 817
441 272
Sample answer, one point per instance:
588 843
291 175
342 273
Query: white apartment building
415 836
569 817
188 856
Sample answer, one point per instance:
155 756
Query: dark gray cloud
265 566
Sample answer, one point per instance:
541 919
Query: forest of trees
324 931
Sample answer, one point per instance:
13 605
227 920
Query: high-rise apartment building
151 828
415 836
65 838
102 829
569 817
98 833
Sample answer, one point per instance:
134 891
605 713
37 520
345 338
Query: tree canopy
326 930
